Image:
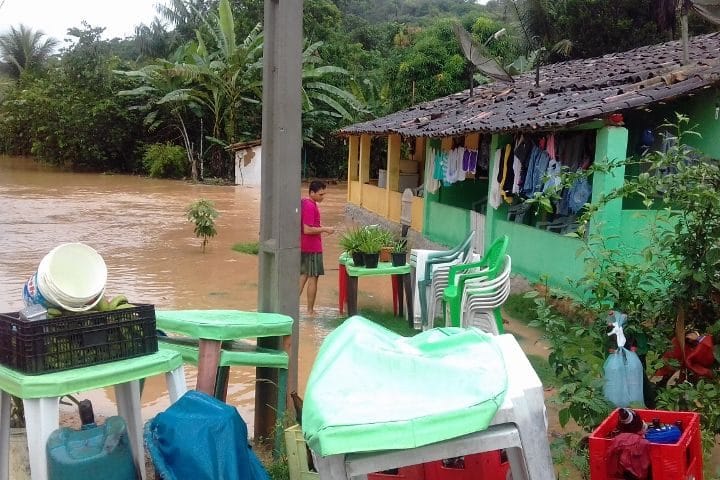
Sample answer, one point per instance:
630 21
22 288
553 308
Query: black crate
77 340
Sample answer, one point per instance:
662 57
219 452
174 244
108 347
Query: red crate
479 466
412 472
675 461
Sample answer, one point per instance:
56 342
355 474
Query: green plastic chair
460 252
490 266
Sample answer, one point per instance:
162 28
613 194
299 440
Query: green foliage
667 288
249 248
702 396
352 239
164 160
400 245
70 115
203 214
577 358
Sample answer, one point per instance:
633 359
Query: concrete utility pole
279 254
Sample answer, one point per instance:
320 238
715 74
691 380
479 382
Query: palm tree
323 101
153 41
166 100
23 49
186 15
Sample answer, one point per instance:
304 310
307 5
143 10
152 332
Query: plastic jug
91 452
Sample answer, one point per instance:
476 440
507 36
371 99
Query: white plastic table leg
524 406
128 403
176 384
4 435
42 417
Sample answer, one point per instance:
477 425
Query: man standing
311 259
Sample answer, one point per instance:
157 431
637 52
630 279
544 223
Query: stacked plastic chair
477 290
437 266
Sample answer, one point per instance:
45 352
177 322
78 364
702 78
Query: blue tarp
201 438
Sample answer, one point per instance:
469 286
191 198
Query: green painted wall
536 253
445 224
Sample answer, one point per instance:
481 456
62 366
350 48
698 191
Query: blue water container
91 452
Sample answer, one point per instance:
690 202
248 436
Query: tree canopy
192 75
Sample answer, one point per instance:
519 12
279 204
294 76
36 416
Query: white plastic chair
482 299
440 276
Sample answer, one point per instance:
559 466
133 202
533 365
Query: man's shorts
311 264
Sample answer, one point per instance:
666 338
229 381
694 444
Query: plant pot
371 259
385 254
358 259
19 456
399 259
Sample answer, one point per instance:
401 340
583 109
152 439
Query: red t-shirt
309 215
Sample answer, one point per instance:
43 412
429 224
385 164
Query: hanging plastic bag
623 370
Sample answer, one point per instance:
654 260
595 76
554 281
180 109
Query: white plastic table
41 395
520 426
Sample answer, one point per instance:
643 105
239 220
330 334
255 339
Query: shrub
165 160
203 214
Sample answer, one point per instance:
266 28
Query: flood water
139 227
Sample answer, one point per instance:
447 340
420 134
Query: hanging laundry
506 176
553 176
494 197
431 169
483 157
521 152
537 167
550 146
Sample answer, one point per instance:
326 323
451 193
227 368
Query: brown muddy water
139 227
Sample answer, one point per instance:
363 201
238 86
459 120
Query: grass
249 248
520 308
386 319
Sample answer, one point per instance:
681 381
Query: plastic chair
482 299
439 262
489 267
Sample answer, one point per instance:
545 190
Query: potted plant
387 240
350 242
370 247
399 252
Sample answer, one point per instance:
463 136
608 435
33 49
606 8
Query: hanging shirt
537 167
494 197
506 176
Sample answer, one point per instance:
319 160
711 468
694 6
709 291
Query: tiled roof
570 93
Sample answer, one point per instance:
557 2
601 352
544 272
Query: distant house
248 157
583 111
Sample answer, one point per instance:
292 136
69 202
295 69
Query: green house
582 111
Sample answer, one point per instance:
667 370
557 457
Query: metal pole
279 255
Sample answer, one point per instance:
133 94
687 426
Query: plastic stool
41 395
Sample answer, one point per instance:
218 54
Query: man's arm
310 230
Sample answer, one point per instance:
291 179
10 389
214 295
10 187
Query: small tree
202 212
